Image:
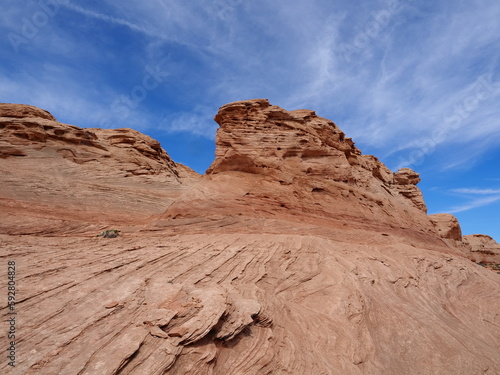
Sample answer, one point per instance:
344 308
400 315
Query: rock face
257 137
63 177
294 254
24 111
483 248
447 226
33 128
406 182
476 247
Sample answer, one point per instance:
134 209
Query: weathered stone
295 254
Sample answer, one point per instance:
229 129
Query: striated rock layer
260 138
294 254
476 247
483 248
61 178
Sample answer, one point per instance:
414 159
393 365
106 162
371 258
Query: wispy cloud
488 196
477 191
111 19
198 122
475 204
403 90
55 89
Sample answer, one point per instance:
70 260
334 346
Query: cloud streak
111 19
475 204
477 191
488 197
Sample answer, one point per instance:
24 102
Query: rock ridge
24 111
483 248
311 259
32 127
260 138
65 175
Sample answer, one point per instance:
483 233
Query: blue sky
414 82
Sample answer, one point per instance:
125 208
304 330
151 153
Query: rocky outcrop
68 177
447 226
483 248
405 183
479 248
311 259
24 111
36 130
257 137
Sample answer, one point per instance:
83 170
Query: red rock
60 178
260 138
447 226
24 111
483 248
111 304
476 247
307 259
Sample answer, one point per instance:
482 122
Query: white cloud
393 95
488 196
198 122
107 18
475 204
55 89
477 191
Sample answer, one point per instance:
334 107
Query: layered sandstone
476 247
447 226
24 111
483 248
294 254
58 177
257 137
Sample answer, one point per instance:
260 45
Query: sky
414 82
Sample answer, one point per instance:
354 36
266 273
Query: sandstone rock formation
483 248
447 226
260 138
294 254
479 248
58 177
24 111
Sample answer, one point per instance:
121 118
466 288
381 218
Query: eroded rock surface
24 111
311 259
257 137
483 248
447 226
58 177
476 247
